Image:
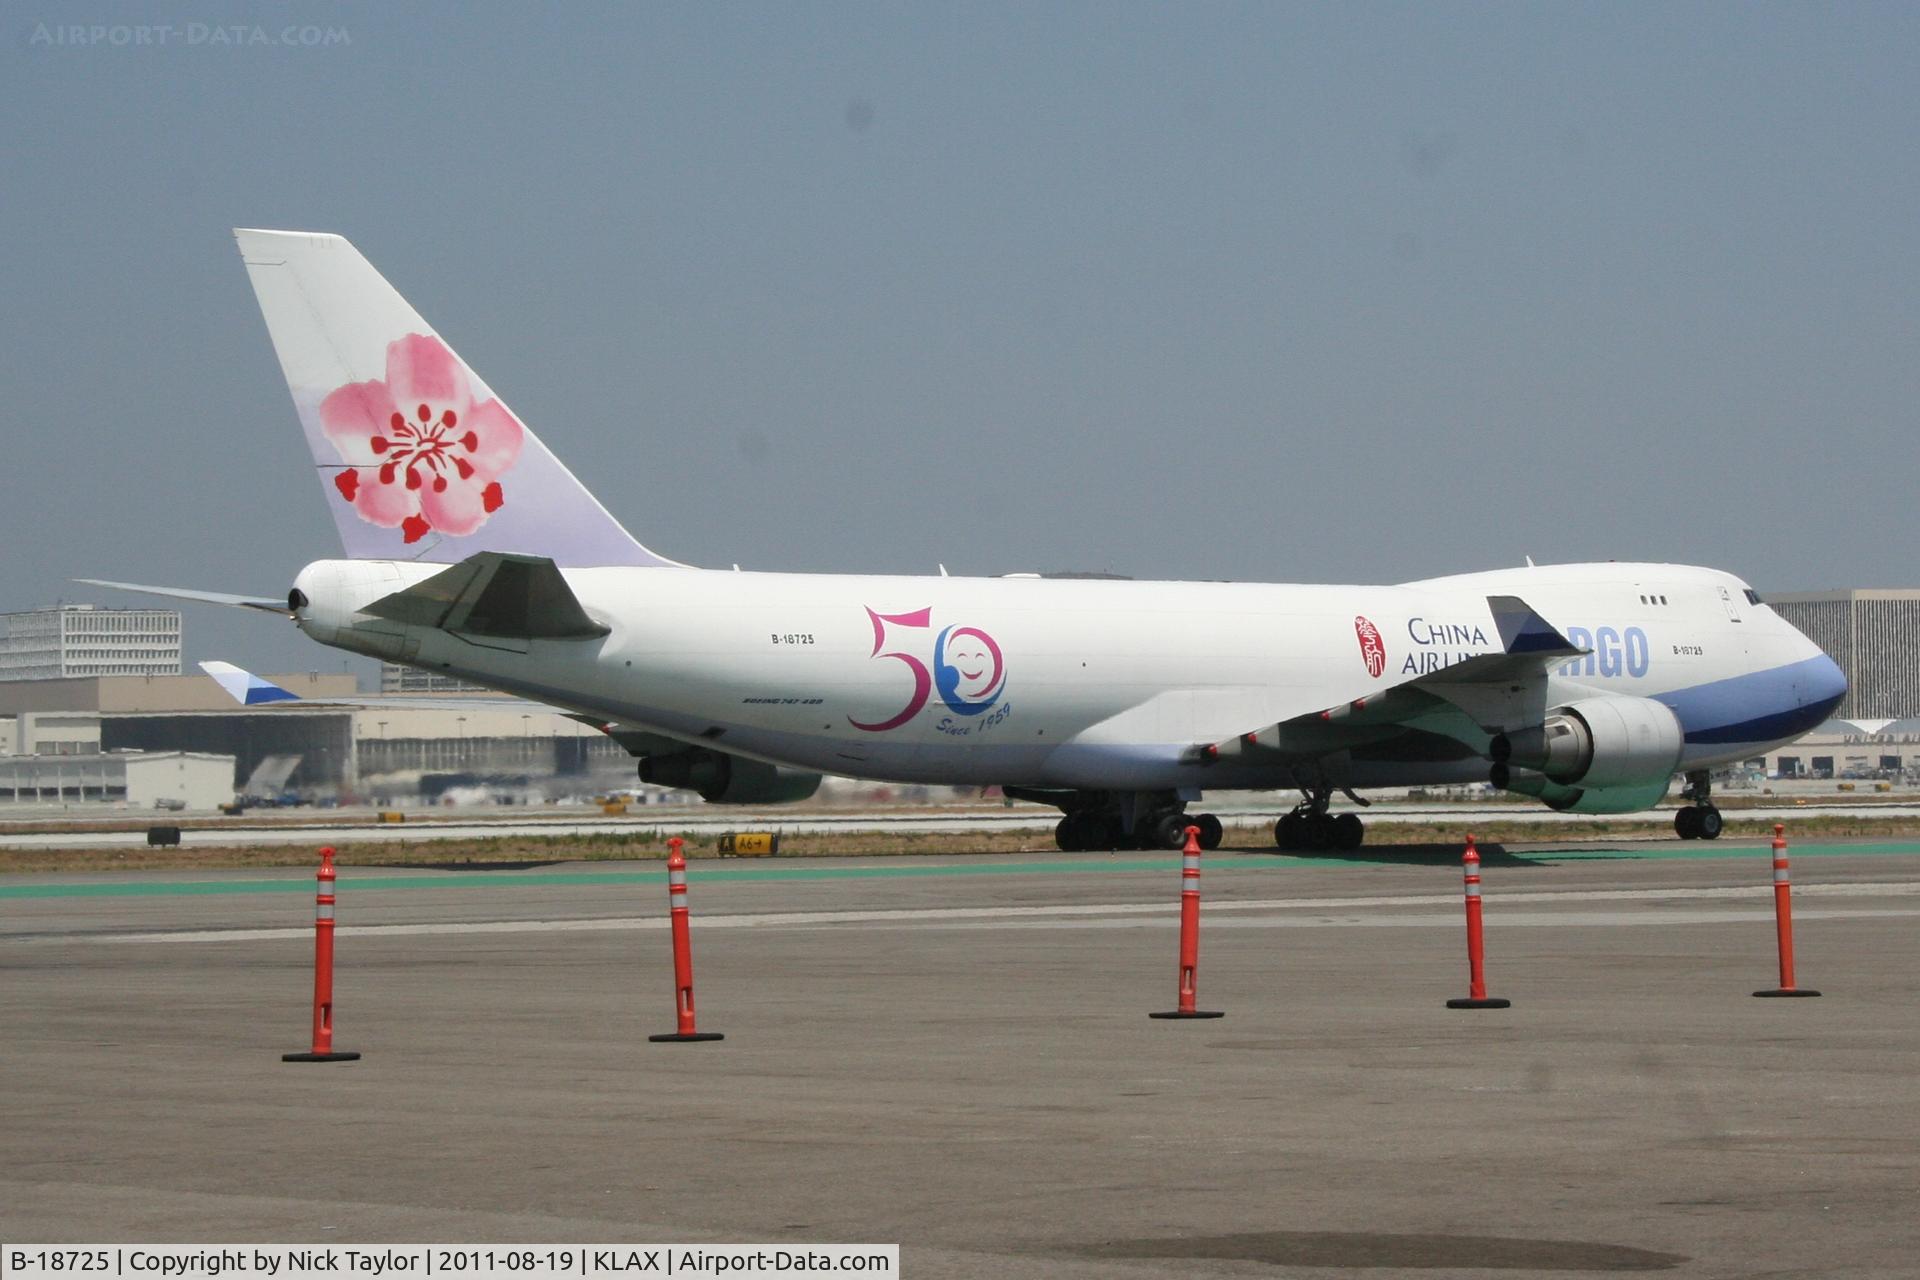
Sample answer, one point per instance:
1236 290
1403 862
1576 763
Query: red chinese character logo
1373 650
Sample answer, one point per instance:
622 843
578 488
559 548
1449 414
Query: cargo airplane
472 550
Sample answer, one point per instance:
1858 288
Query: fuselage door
1732 606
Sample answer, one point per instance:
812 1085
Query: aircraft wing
1454 702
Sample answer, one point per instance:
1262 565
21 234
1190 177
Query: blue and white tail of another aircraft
246 688
471 550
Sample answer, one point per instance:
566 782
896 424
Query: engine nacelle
1580 799
724 779
1599 743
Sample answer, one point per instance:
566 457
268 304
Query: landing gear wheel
1304 830
1699 820
1168 831
1211 830
1308 825
1085 832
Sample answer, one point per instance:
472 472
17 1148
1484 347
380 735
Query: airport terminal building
71 640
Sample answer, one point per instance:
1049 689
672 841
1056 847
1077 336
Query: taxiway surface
200 832
954 1054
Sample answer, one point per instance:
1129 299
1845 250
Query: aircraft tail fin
246 688
418 458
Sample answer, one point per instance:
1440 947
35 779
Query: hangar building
142 779
1875 637
346 751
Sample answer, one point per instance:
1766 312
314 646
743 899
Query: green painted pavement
367 880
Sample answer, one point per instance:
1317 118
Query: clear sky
1340 292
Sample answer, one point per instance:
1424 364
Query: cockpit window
1753 597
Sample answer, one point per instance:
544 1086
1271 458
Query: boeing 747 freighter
470 549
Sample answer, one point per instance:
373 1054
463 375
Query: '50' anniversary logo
968 670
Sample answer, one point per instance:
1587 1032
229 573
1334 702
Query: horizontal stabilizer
494 594
265 604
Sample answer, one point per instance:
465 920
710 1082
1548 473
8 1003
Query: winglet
1523 631
244 687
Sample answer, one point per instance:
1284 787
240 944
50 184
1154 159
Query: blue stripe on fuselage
1761 706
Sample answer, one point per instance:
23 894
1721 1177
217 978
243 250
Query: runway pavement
202 832
954 1054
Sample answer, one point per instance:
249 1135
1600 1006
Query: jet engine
1599 755
1581 799
724 779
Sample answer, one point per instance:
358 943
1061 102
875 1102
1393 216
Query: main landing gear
1157 822
1699 820
1309 827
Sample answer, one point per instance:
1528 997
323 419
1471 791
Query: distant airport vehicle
473 551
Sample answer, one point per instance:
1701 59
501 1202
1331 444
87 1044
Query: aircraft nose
1825 685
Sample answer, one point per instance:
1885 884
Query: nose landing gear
1699 820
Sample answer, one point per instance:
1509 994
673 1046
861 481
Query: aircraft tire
1083 833
1708 824
1348 832
1168 831
1686 823
1212 830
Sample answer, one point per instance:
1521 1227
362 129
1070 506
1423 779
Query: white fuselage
1092 683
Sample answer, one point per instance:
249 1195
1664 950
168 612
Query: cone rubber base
1493 1003
1190 1013
319 1057
1788 991
686 1037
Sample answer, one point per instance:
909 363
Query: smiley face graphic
968 670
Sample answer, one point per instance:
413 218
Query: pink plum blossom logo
421 455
